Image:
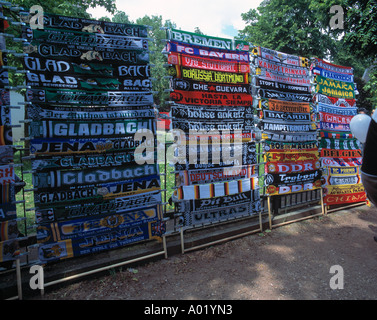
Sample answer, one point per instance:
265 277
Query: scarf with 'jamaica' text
113 206
206 52
89 98
206 191
89 129
63 146
93 40
80 54
87 25
335 88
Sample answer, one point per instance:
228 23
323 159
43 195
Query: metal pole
19 282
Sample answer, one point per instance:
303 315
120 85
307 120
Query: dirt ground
289 263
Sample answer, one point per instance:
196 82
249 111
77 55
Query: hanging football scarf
7 174
349 111
292 167
213 126
39 112
341 171
332 67
333 101
8 230
213 99
80 82
201 176
9 250
291 137
282 69
201 205
340 144
334 126
291 156
343 189
208 75
6 154
281 57
90 226
344 198
111 240
335 181
284 106
200 39
62 67
272 94
211 113
77 38
218 215
90 129
279 86
206 52
88 98
288 179
62 178
283 190
220 189
336 119
331 153
284 146
273 126
6 135
190 85
82 209
77 146
207 63
335 135
283 116
219 137
81 54
87 25
97 191
272 76
8 194
344 162
8 211
4 79
84 161
333 75
334 88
